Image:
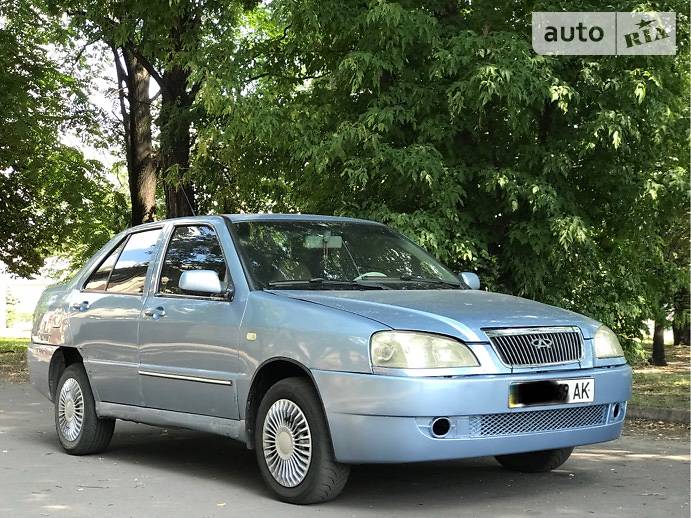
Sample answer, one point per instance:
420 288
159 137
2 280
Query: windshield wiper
410 278
418 278
317 282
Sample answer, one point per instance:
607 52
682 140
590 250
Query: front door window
192 247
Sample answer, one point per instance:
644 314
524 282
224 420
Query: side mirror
470 279
203 281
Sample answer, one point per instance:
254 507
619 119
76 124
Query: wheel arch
62 358
267 374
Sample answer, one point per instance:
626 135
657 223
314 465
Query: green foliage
13 344
52 199
563 179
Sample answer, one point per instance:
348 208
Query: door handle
155 313
81 306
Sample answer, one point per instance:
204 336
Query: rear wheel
535 461
80 430
293 445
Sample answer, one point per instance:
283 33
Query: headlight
607 344
410 350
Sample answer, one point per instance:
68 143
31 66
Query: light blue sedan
320 342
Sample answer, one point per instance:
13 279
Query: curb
659 414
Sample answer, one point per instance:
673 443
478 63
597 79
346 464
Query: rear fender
51 317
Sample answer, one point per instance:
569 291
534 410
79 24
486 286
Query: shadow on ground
478 481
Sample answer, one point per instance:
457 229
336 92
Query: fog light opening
440 427
616 410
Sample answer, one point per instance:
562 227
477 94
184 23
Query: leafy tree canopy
52 199
557 178
563 179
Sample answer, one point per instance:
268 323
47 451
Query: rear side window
130 270
99 279
193 247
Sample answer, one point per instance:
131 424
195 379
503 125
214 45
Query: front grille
537 346
516 423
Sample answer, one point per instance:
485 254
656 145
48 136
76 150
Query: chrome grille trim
517 423
514 348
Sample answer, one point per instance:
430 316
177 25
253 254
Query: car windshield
336 255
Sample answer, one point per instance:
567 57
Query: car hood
460 313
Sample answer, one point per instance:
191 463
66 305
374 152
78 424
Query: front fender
310 334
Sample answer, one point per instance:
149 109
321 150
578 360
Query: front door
104 318
188 340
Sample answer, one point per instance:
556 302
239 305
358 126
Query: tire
92 435
316 476
535 461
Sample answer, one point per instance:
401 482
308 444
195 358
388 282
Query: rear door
104 317
188 341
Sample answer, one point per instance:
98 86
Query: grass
663 387
13 360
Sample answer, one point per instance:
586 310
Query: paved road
151 472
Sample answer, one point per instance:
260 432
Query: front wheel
535 461
80 430
293 445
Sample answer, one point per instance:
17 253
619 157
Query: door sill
235 429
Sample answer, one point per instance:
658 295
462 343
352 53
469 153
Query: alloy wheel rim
70 410
287 442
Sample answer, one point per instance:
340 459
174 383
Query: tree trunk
174 124
175 117
681 334
142 167
681 327
133 85
659 342
228 206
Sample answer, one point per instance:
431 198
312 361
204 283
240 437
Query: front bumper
384 419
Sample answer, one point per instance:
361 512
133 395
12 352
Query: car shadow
402 487
197 454
443 485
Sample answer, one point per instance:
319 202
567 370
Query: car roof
239 218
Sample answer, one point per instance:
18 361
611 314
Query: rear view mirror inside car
323 241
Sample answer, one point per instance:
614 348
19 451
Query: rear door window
99 279
129 273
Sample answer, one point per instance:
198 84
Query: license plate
551 392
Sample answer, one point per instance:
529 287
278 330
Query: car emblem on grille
541 342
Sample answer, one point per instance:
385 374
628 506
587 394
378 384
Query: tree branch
87 44
123 82
146 64
285 33
192 94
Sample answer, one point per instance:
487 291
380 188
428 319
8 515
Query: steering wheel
369 274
